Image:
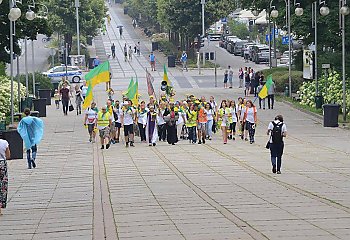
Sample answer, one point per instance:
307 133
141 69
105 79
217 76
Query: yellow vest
103 119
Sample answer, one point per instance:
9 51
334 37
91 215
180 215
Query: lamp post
344 10
30 15
274 15
77 5
203 28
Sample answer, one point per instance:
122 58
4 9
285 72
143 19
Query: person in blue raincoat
31 130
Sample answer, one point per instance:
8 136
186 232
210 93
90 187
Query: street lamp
299 11
344 10
273 14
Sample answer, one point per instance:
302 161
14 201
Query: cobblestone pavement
210 191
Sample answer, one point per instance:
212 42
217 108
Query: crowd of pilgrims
193 119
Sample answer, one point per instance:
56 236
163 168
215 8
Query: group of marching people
193 119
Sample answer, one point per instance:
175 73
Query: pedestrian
110 110
31 130
104 121
113 50
134 22
241 76
161 122
130 53
56 96
191 123
121 31
90 121
117 112
232 120
108 16
4 155
184 61
151 126
170 117
210 121
141 120
250 119
202 121
276 130
65 97
181 121
241 111
78 98
152 60
255 83
261 100
138 48
271 95
225 78
128 116
223 119
230 76
246 84
125 53
84 89
246 54
96 62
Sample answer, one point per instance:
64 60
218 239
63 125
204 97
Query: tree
24 28
239 29
62 17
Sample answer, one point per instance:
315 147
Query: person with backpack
250 119
277 130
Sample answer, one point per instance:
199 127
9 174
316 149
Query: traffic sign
267 38
276 31
285 40
224 20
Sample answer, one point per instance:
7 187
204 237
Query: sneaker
203 140
90 139
132 144
154 144
107 146
242 137
112 141
199 142
126 144
150 144
233 138
209 138
278 172
246 139
103 147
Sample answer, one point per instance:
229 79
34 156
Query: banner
150 87
308 64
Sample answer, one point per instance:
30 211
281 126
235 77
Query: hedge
281 78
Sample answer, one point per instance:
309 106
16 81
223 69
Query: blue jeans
276 150
192 134
209 128
30 160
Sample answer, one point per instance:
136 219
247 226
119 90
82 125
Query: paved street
210 191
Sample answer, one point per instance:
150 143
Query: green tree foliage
238 29
24 28
62 17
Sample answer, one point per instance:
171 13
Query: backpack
276 133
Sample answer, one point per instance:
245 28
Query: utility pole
203 28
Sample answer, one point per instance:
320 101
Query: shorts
225 80
128 129
247 85
230 79
91 128
112 127
201 126
104 133
118 125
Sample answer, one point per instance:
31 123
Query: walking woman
31 130
171 116
277 130
223 119
233 120
141 120
90 121
241 76
225 78
210 121
202 122
161 122
78 98
250 119
4 155
191 123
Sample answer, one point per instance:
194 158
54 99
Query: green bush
5 96
2 69
44 81
168 48
281 78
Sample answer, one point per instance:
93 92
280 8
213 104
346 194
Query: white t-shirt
160 118
91 116
129 116
250 114
3 146
84 90
119 113
241 111
142 117
270 127
210 114
234 115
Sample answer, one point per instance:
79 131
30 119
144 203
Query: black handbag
268 143
70 108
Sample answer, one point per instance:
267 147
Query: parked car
56 73
231 41
285 57
255 50
262 56
245 46
239 46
